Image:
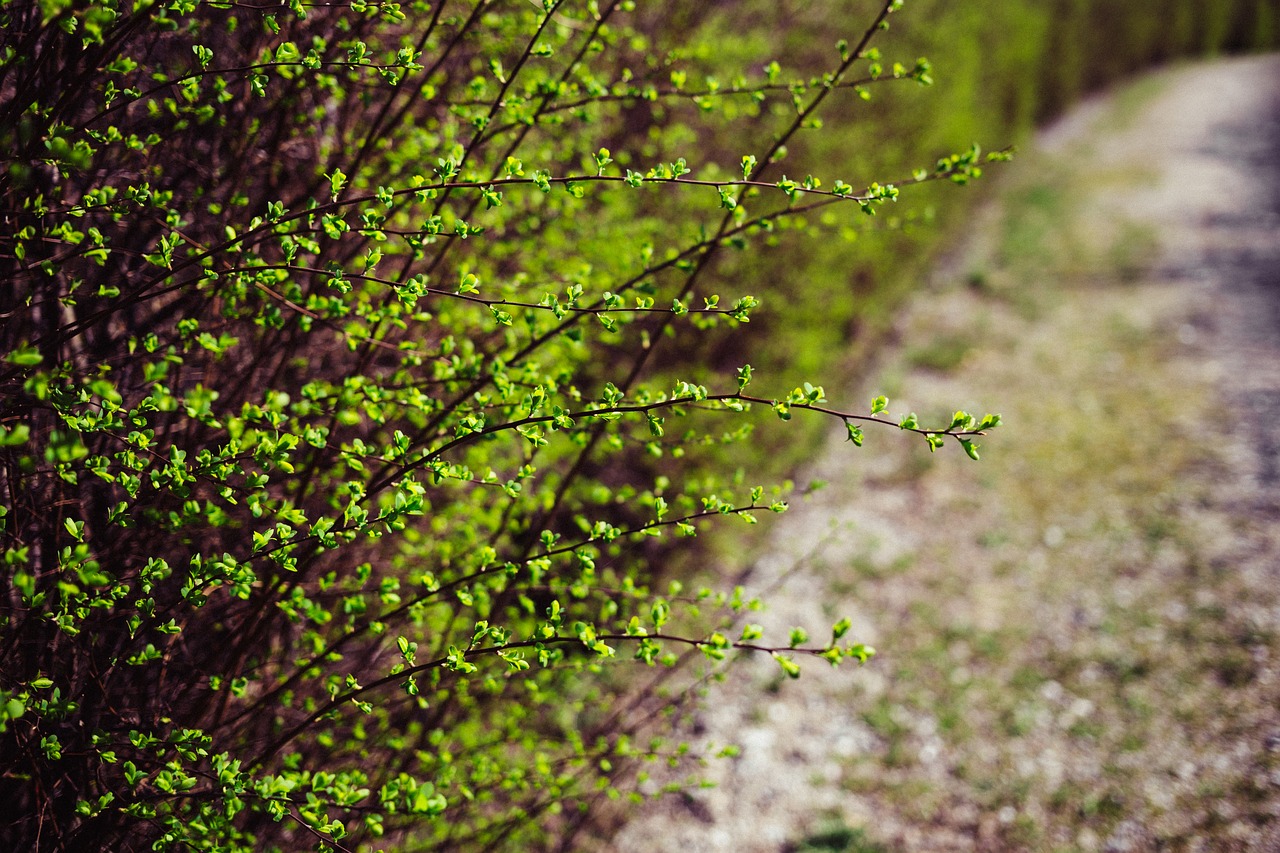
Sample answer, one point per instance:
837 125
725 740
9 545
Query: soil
1079 635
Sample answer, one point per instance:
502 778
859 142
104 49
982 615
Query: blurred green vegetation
1000 69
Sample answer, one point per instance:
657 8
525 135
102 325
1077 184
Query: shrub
340 436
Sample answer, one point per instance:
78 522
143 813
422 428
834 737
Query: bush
346 423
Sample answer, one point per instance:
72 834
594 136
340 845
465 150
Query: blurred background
1078 635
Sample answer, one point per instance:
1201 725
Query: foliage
1002 68
340 446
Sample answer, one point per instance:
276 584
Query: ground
1079 635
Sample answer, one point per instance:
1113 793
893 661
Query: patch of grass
866 566
943 353
836 837
1132 100
1134 251
1023 834
1033 230
993 538
1107 805
1235 667
883 721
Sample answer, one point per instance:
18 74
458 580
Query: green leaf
790 667
15 435
13 709
602 159
861 652
24 356
337 182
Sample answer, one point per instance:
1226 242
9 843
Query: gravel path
1080 635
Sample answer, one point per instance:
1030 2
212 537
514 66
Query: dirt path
1079 636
